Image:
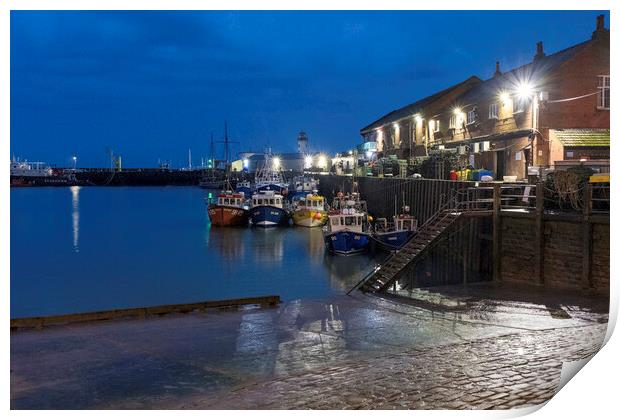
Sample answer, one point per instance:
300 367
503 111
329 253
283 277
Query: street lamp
74 158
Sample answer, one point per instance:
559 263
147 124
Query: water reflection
269 244
75 215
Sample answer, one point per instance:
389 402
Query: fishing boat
229 209
244 187
268 209
269 177
310 211
393 236
302 185
347 231
24 173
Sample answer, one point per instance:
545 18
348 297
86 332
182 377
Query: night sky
150 85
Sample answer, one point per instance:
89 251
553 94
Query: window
603 92
436 126
493 114
453 121
471 116
518 105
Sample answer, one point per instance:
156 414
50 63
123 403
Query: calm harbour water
95 248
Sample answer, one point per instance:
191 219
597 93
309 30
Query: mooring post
497 227
587 237
539 234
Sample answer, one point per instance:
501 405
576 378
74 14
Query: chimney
497 70
601 31
539 51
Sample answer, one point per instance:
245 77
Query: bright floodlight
524 90
246 163
276 163
504 97
322 161
350 152
308 161
368 154
418 119
457 111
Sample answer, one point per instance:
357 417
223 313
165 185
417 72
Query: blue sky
150 85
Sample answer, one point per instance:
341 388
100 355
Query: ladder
384 275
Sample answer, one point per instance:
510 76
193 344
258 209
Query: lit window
493 113
603 92
452 121
471 116
436 126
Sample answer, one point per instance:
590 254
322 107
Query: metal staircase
384 275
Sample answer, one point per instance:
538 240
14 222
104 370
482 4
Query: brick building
544 113
404 132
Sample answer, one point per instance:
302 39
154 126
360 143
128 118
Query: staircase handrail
451 203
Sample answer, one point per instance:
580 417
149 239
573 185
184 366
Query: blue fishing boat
302 186
269 177
244 187
268 209
347 231
393 236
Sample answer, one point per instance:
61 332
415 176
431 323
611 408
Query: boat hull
347 242
393 240
309 218
227 216
267 216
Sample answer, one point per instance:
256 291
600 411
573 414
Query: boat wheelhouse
244 187
269 177
309 211
393 236
230 209
268 209
347 231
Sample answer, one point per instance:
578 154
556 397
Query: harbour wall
549 249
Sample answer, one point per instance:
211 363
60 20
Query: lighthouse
302 143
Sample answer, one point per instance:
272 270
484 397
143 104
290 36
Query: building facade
405 131
547 112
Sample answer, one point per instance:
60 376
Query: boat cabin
347 219
267 198
312 202
230 199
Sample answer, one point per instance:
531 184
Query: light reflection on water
95 248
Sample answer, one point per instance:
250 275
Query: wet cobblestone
482 374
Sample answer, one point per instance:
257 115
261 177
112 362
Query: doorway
500 165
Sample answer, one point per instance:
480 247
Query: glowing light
418 119
431 124
308 162
457 111
368 154
322 161
246 163
525 90
395 126
276 163
350 152
504 97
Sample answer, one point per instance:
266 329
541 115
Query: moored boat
230 209
395 235
310 211
268 209
244 187
347 231
269 177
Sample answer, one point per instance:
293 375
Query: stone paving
343 352
510 371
